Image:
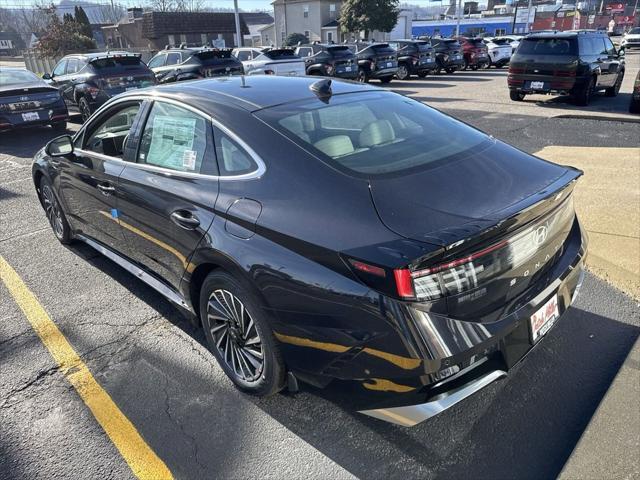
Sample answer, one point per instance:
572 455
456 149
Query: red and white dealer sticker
544 318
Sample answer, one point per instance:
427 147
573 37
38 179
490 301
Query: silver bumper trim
413 414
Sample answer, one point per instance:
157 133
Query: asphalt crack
38 379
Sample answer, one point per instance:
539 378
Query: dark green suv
577 63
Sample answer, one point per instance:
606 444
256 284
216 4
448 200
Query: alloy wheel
52 210
403 72
235 335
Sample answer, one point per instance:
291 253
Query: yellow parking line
144 463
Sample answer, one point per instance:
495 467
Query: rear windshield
476 41
450 44
117 62
12 77
209 57
501 41
373 133
279 54
423 46
341 51
634 31
548 46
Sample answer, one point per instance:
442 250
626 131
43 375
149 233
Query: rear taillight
564 73
516 71
472 270
329 68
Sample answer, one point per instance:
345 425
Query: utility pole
527 26
237 17
458 18
515 14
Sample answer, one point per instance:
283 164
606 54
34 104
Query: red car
475 53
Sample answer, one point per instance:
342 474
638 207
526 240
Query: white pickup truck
275 61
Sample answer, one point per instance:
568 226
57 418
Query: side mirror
46 76
621 52
60 146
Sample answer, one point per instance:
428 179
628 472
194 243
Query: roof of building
332 23
157 24
256 18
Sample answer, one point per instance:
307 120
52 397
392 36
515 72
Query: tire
85 109
613 91
59 126
403 72
634 106
583 95
516 96
422 74
234 329
450 70
466 64
53 211
474 68
386 79
363 76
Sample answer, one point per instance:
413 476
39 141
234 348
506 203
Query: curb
604 118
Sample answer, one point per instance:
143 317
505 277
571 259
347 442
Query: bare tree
108 13
189 5
162 5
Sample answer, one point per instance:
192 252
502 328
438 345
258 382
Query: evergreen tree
368 15
83 21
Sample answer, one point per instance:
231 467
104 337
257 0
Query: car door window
111 130
232 158
60 68
175 138
609 48
72 66
173 58
243 55
157 61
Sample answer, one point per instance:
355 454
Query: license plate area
30 116
537 86
543 319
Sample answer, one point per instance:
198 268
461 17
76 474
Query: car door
156 64
605 63
68 81
89 177
612 61
166 197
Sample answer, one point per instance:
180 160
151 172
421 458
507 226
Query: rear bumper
552 85
383 72
46 116
425 362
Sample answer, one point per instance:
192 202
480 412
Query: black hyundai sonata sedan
331 233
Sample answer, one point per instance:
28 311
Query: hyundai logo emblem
540 235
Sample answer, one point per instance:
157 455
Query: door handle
185 219
106 188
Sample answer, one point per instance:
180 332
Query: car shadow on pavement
598 103
525 426
20 143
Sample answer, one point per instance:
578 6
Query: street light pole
458 18
237 18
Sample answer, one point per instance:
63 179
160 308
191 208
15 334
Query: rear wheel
583 95
474 68
85 108
450 70
403 72
59 126
466 64
54 213
516 96
239 335
422 74
363 75
613 91
386 79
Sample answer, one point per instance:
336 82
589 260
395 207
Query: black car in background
376 61
576 63
26 100
88 80
329 60
191 63
415 57
326 231
448 53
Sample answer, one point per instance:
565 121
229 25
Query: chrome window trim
258 173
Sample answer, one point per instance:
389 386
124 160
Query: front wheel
516 96
613 91
239 336
450 70
54 213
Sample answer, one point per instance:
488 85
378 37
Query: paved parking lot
156 369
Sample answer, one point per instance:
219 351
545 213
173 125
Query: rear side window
157 61
232 158
244 55
305 51
174 138
280 54
374 133
173 58
548 46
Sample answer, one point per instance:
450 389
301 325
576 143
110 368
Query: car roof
92 55
251 93
565 34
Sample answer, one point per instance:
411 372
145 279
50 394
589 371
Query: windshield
373 133
423 46
279 54
450 44
548 46
12 77
634 31
341 51
501 41
116 62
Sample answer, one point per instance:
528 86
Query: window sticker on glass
172 143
